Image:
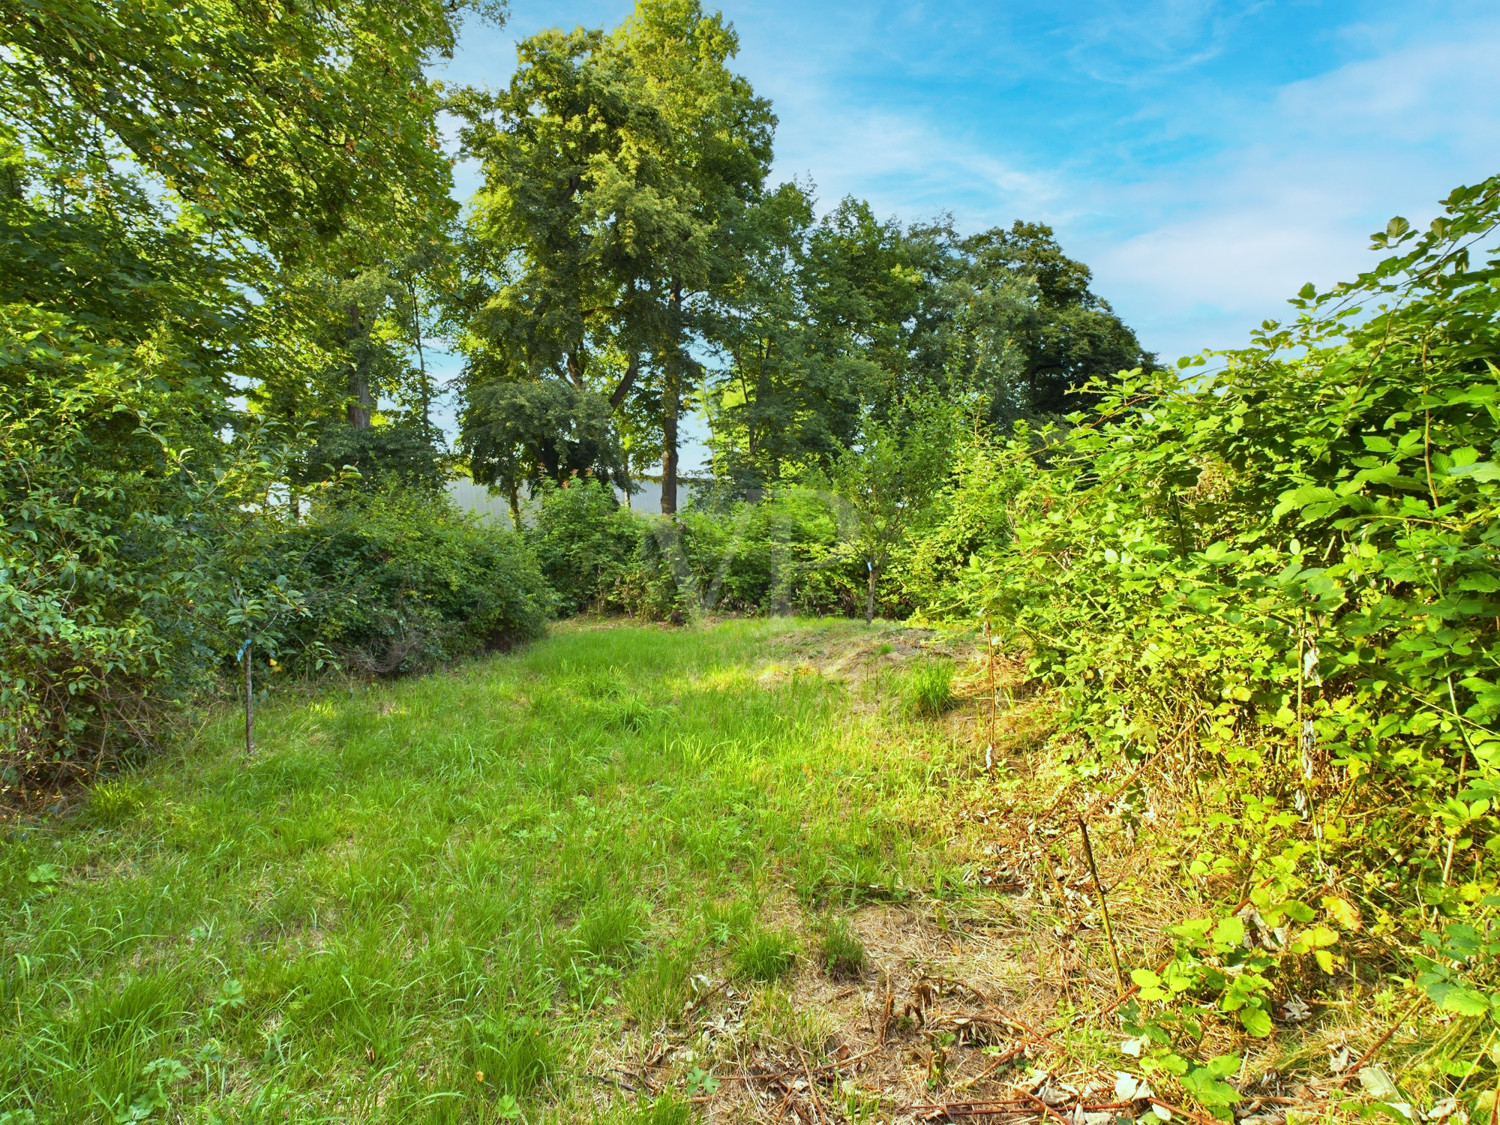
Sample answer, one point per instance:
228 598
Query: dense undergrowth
784 554
1278 584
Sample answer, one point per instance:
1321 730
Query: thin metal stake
1109 933
249 702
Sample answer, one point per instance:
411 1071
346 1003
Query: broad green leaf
1458 999
1229 932
1479 470
1257 1021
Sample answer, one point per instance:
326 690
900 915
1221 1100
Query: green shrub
401 452
131 570
1295 562
970 518
780 555
765 955
586 546
396 582
109 550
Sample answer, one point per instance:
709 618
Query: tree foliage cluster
787 553
220 224
230 244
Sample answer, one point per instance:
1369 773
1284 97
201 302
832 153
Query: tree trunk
671 402
671 396
362 405
870 602
416 320
515 506
626 382
577 360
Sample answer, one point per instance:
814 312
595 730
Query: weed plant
840 950
765 955
928 691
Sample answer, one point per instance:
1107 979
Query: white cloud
1334 157
1198 251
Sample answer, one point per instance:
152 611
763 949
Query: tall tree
713 152
163 167
617 168
1068 335
779 400
278 142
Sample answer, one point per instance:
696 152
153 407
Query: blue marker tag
243 649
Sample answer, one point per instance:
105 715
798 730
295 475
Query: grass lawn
570 883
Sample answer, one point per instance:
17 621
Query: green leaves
280 130
1229 933
1458 999
45 877
1207 1086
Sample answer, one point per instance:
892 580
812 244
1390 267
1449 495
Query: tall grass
426 901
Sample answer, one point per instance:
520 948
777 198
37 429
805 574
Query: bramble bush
1294 560
103 545
585 544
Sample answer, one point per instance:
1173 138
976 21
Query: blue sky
1205 159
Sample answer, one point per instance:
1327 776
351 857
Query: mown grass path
437 900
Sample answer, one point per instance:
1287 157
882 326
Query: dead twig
839 1064
885 1016
1001 1059
1135 773
985 1106
812 1087
783 1075
1050 1112
1379 1043
1109 932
